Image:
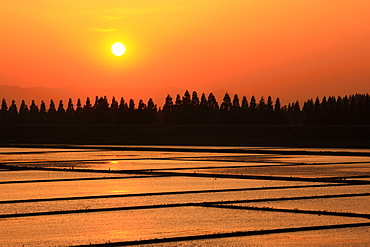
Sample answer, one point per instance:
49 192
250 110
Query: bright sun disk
118 49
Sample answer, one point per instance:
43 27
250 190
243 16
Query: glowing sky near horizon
271 47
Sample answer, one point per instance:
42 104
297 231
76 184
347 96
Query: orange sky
294 49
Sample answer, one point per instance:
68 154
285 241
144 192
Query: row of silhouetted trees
192 109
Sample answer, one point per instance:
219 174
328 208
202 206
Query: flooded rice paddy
184 196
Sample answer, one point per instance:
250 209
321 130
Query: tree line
192 109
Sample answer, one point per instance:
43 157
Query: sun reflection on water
114 165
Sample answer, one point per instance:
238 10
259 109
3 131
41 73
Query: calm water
116 194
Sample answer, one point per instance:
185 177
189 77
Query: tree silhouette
252 111
13 112
279 116
4 112
131 105
113 111
87 104
52 108
226 104
367 109
213 108
236 116
261 111
61 113
101 111
308 112
203 113
178 101
78 113
294 112
43 115
42 107
96 102
79 106
70 112
4 106
34 112
61 107
186 101
269 111
87 114
23 112
195 100
166 115
70 107
348 110
151 113
339 111
141 105
177 111
151 105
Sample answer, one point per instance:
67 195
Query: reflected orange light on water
118 234
120 191
113 165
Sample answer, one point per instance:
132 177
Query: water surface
162 192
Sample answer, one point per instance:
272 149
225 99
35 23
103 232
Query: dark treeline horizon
192 109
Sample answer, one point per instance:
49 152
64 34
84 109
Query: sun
118 49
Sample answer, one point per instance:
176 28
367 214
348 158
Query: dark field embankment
225 135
